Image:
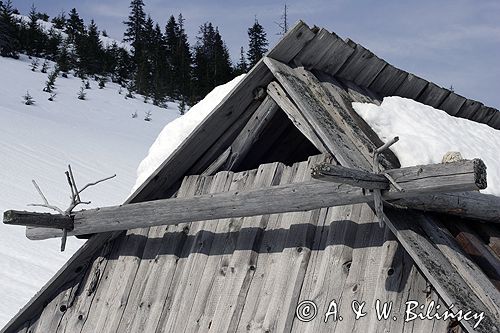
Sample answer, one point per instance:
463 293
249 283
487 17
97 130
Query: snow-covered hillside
97 136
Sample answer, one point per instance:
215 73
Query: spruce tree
35 38
242 65
74 26
135 27
63 59
54 41
212 65
9 40
184 60
90 51
59 21
257 43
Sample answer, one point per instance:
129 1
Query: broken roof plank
277 93
309 103
447 279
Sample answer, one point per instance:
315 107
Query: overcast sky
450 42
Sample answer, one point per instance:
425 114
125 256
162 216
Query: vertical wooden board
288 269
77 313
495 121
388 80
332 268
292 42
468 109
433 95
411 87
244 259
452 103
160 256
326 52
362 67
176 283
196 264
484 114
212 281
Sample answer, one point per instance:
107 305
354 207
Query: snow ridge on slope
426 134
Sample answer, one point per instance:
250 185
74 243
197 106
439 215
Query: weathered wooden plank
474 277
309 99
241 267
339 174
468 109
362 67
411 87
362 136
452 103
279 96
433 95
484 256
326 52
484 114
470 205
292 42
251 132
212 282
495 121
38 220
445 278
415 181
160 258
388 80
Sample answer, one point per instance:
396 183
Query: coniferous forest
159 64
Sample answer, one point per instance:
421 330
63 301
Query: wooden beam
409 179
276 199
46 220
251 132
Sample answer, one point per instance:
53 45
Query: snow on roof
175 132
426 134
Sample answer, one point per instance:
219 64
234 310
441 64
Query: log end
8 216
480 174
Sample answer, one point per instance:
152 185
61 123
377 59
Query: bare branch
95 183
46 202
77 193
57 209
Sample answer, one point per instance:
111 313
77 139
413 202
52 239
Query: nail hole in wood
63 308
390 271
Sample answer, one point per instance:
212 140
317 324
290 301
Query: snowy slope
97 136
426 134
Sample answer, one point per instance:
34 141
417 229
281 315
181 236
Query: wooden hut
232 233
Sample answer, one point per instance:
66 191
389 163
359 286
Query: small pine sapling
45 66
146 99
27 99
102 82
147 116
34 65
52 96
134 115
87 84
81 94
51 80
120 90
182 107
